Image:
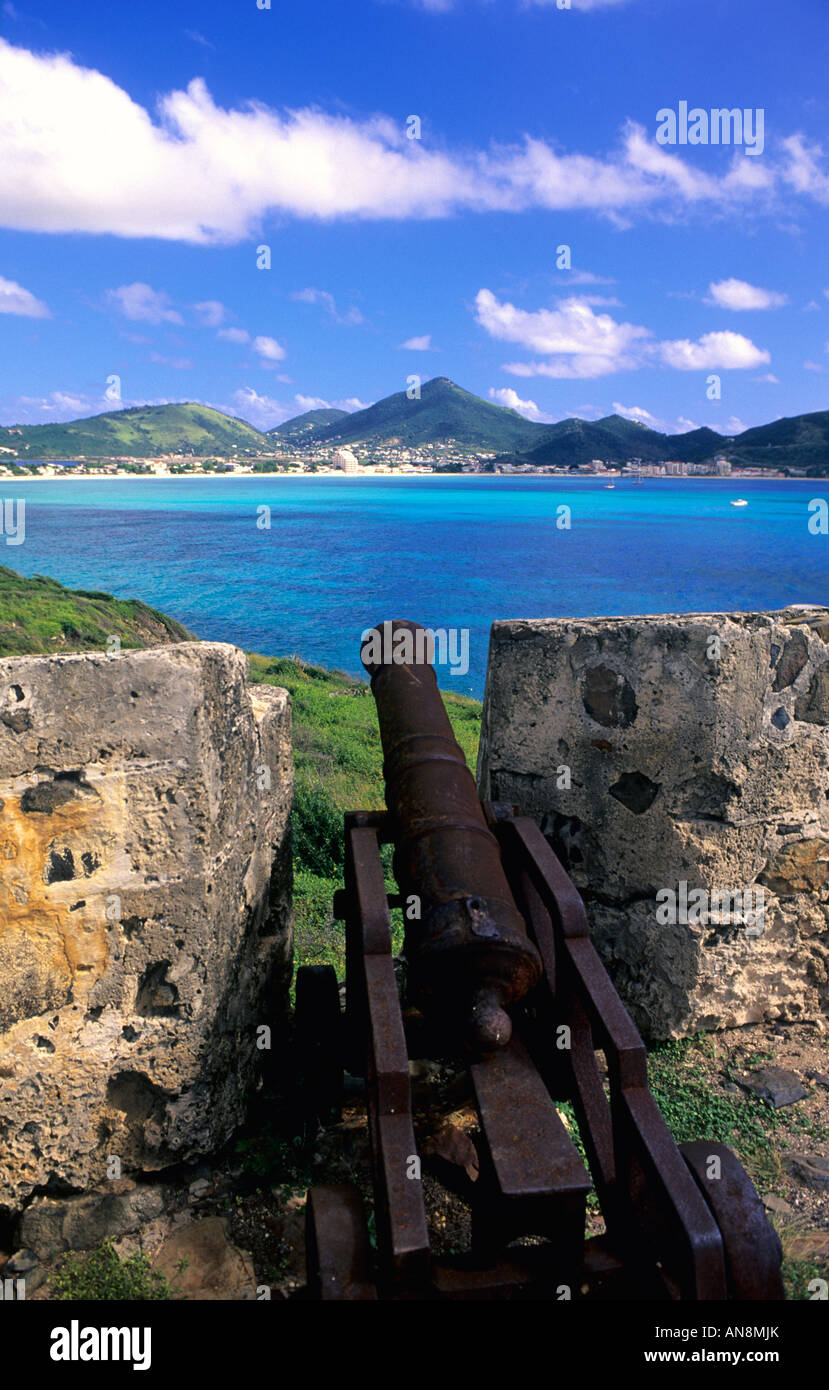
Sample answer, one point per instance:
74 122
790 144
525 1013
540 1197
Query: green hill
40 615
799 441
616 440
139 432
444 412
308 424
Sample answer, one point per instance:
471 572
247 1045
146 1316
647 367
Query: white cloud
196 37
577 343
803 172
262 411
738 294
576 4
582 343
727 350
505 395
319 403
180 363
734 425
769 378
444 6
585 277
141 302
193 171
211 312
639 414
269 348
265 411
315 296
812 366
422 344
62 406
234 335
15 300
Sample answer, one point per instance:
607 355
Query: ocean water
342 554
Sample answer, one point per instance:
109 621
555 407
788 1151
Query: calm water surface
344 553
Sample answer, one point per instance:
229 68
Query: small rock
778 1205
24 1264
730 1089
424 1071
453 1146
820 1077
811 1245
117 1185
813 1169
215 1269
776 1085
199 1189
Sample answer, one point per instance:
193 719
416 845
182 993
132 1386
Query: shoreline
395 477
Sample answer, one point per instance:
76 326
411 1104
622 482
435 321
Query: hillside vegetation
443 412
139 432
40 615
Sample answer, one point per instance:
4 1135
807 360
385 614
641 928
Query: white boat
740 502
609 485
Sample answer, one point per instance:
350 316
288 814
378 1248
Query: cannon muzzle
468 954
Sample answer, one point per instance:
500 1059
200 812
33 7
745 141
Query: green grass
338 767
102 1276
40 615
693 1110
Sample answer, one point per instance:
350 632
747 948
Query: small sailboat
739 502
609 485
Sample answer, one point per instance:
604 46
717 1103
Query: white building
344 459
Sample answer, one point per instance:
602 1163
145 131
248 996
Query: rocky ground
235 1229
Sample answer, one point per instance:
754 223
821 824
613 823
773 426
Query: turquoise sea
342 554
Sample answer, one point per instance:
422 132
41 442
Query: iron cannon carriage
501 977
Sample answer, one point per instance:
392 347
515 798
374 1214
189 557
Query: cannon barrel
468 953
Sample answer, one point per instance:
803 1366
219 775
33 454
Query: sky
268 206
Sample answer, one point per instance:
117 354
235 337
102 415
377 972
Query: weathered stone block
675 749
144 906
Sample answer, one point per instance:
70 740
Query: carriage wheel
751 1245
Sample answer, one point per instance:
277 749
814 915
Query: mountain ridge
442 413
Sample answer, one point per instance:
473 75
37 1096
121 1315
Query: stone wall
666 750
144 907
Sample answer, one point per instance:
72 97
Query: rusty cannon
502 982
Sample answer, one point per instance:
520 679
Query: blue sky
147 151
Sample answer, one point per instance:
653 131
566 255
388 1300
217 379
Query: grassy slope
140 432
443 411
338 762
40 615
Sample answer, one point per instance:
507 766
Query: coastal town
384 459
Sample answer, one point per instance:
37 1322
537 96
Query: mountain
443 412
308 424
615 440
39 615
139 432
799 441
